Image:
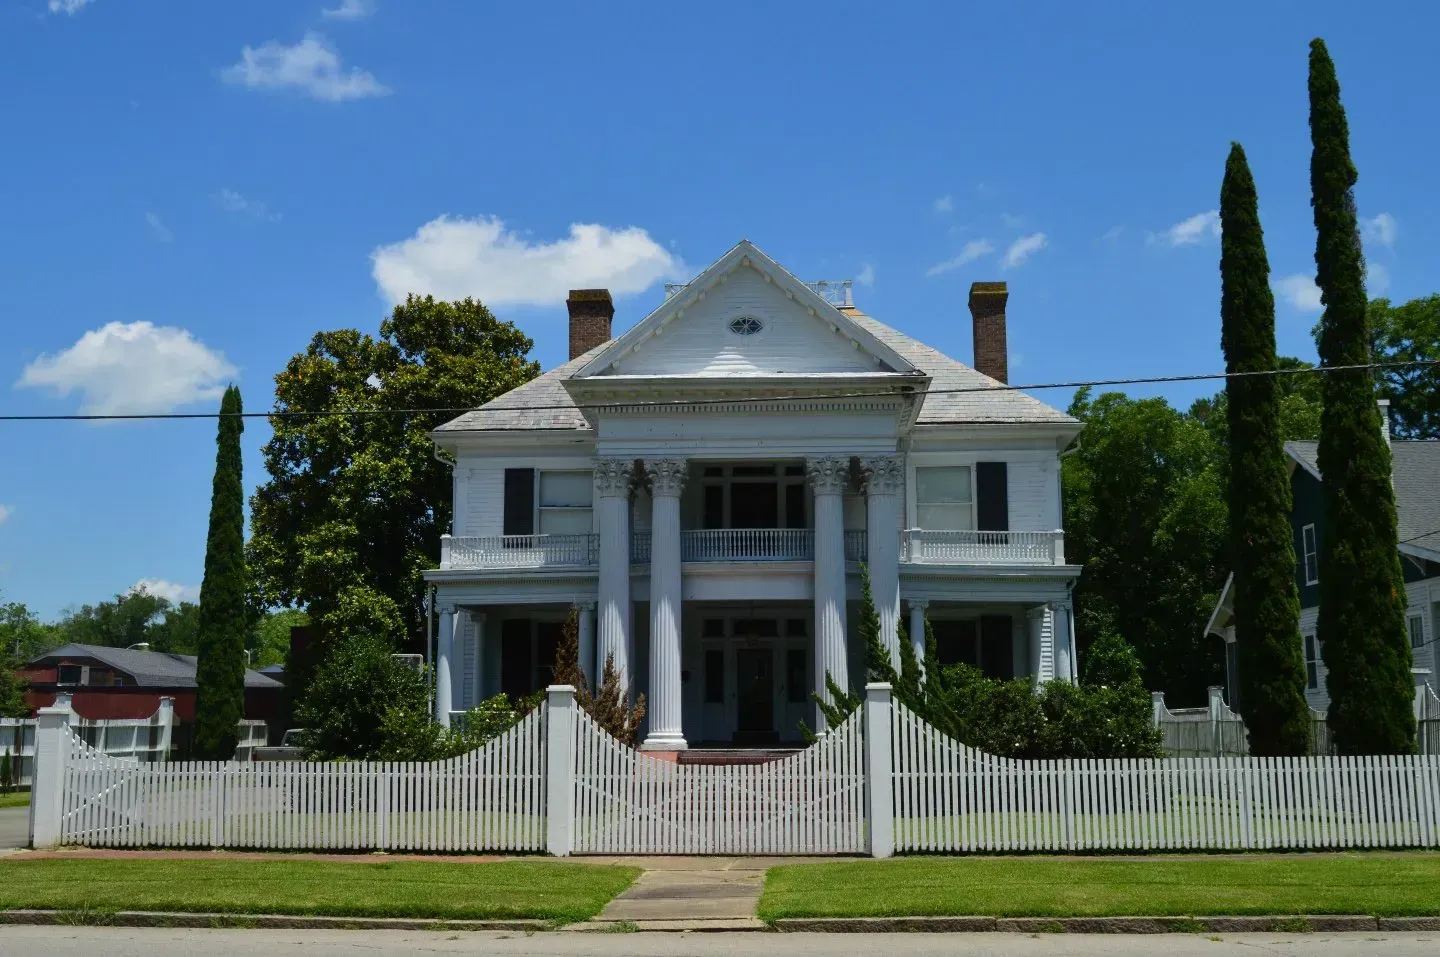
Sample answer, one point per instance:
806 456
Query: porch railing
747 545
971 547
517 551
855 546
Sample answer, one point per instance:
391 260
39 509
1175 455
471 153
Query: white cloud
1381 229
162 232
866 275
5 512
349 10
454 258
1299 290
1112 234
968 253
945 204
233 202
127 368
68 7
1022 249
1189 231
170 591
311 66
1377 279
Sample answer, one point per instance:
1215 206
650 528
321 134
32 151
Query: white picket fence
883 781
627 802
490 799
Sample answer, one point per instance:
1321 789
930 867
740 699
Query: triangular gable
835 340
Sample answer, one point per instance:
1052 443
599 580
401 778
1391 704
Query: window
1312 557
746 325
67 675
1416 626
714 676
565 500
1312 664
795 683
943 498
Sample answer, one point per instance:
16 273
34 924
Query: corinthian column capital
667 476
884 474
612 476
829 475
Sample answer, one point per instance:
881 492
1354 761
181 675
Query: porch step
735 756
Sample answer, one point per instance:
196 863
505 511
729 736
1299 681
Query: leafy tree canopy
354 506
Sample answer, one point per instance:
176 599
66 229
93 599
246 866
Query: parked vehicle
289 748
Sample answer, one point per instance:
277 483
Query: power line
671 403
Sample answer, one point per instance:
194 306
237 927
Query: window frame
920 505
1310 554
1415 628
542 509
1312 660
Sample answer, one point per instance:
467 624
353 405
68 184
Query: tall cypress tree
1361 626
220 674
1262 551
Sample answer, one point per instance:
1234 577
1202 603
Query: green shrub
350 693
410 734
7 774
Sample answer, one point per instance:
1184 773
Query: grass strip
15 799
543 890
1383 885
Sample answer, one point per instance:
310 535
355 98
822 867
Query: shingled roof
1415 468
150 669
544 404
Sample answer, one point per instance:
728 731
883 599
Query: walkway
710 893
14 827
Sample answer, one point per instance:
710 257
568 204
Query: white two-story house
705 489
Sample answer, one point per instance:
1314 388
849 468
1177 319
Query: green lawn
15 799
1379 884
434 889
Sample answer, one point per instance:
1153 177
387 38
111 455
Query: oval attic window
746 326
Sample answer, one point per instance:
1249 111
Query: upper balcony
917 546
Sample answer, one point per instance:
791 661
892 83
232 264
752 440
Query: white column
586 611
879 763
917 627
47 781
559 769
457 661
1065 644
884 482
828 479
612 485
445 663
1035 619
667 478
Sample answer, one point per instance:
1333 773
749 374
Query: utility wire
643 403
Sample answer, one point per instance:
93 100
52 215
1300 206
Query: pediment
745 316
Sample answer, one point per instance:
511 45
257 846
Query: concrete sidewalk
700 893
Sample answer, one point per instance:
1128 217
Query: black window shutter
519 502
992 497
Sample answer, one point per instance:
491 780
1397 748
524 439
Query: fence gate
627 802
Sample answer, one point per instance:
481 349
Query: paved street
122 942
14 827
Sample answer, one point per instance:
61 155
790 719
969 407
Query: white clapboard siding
949 797
492 799
628 802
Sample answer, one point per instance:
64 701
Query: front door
755 687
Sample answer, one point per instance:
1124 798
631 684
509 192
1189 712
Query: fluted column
828 479
612 488
917 627
667 478
884 482
1065 643
444 663
586 612
1036 619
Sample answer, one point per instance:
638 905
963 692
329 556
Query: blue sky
190 190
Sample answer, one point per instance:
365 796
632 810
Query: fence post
879 770
1217 711
47 789
559 769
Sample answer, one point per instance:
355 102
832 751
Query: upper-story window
1312 663
746 325
1415 624
944 497
565 501
1311 555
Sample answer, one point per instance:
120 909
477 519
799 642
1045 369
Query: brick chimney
591 311
987 309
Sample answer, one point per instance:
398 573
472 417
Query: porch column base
664 742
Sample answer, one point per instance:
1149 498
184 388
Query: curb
135 918
1307 923
698 925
